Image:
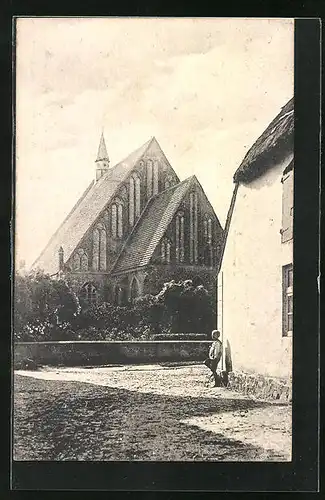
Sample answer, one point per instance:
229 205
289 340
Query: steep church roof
152 226
86 211
275 142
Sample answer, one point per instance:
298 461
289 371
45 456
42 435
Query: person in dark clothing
215 353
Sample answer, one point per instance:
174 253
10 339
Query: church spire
102 151
102 160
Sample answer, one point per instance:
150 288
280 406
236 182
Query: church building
135 227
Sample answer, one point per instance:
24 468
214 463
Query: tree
190 307
44 308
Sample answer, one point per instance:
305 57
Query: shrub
44 308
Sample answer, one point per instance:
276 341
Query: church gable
94 232
194 235
178 226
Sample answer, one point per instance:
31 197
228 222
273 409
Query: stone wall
261 386
74 353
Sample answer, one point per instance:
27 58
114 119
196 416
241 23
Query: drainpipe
224 242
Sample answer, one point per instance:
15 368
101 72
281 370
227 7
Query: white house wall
251 274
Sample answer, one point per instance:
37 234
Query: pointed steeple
102 151
102 160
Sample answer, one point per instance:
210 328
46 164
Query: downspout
224 242
227 225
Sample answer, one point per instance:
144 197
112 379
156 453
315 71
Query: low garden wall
74 353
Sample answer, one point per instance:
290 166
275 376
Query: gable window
152 178
88 293
99 248
137 201
287 300
83 260
131 201
117 220
165 251
149 178
208 248
193 228
134 198
180 237
76 262
155 177
287 207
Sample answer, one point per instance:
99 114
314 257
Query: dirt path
142 413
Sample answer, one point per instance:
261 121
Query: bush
44 308
47 309
180 336
191 309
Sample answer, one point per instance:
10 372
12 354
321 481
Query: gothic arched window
134 198
117 220
208 254
80 261
88 293
165 251
152 178
193 227
155 178
180 237
83 260
134 289
76 262
99 248
149 178
131 201
137 201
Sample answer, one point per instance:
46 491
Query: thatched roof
272 146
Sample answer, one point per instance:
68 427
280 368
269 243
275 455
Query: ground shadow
65 420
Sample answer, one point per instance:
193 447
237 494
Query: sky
205 88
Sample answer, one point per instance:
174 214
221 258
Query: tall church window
152 178
149 178
134 290
208 253
134 198
88 293
165 251
117 220
155 177
193 227
76 262
180 237
137 200
83 261
99 248
131 201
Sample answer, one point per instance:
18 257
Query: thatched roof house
275 142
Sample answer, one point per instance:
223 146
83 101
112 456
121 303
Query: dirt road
142 413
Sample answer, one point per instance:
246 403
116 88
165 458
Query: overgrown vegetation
48 309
